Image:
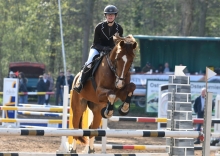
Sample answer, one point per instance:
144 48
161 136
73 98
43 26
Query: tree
187 16
88 18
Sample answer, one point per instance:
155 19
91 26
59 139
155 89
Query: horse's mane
128 39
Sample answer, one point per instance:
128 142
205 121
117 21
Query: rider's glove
106 49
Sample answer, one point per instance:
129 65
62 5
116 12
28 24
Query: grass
134 110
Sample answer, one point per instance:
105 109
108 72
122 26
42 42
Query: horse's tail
77 106
82 139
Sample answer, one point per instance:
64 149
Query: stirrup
79 88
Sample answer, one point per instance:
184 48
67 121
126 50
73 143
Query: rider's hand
107 49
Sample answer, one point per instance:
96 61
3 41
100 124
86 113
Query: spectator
160 69
60 82
51 87
185 70
166 68
47 85
70 79
71 75
11 74
198 106
41 87
23 88
70 82
147 68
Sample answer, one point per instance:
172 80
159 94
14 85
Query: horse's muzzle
119 83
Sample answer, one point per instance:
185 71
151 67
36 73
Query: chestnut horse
112 79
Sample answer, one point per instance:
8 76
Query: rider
103 41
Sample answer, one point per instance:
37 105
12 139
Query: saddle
95 64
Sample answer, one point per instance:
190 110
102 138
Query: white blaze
120 82
124 58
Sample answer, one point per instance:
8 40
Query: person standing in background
41 87
70 75
23 88
51 87
60 82
11 74
199 106
47 85
70 79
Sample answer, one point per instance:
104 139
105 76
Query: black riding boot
84 76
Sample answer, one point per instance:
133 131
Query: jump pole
41 113
108 133
46 109
38 105
53 154
207 115
63 146
155 120
146 147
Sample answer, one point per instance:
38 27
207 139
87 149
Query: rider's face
110 17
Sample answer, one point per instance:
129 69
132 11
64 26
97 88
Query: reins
113 69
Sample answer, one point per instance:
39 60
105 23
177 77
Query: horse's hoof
121 112
103 112
91 151
73 151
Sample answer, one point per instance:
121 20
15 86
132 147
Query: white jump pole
111 154
63 147
104 139
108 133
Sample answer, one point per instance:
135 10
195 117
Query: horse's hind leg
95 124
78 107
124 108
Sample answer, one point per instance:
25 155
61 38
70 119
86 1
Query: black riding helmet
110 9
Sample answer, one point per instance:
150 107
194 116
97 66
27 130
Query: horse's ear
134 45
121 43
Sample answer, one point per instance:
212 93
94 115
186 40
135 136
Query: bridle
113 67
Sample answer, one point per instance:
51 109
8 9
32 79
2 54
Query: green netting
195 54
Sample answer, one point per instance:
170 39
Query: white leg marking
111 98
91 143
125 107
74 144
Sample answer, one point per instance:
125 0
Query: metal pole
63 50
207 124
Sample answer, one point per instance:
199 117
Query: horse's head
122 57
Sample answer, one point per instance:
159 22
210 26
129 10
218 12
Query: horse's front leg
109 96
125 95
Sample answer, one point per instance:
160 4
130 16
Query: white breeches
92 53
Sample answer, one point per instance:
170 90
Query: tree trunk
88 18
202 16
187 16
